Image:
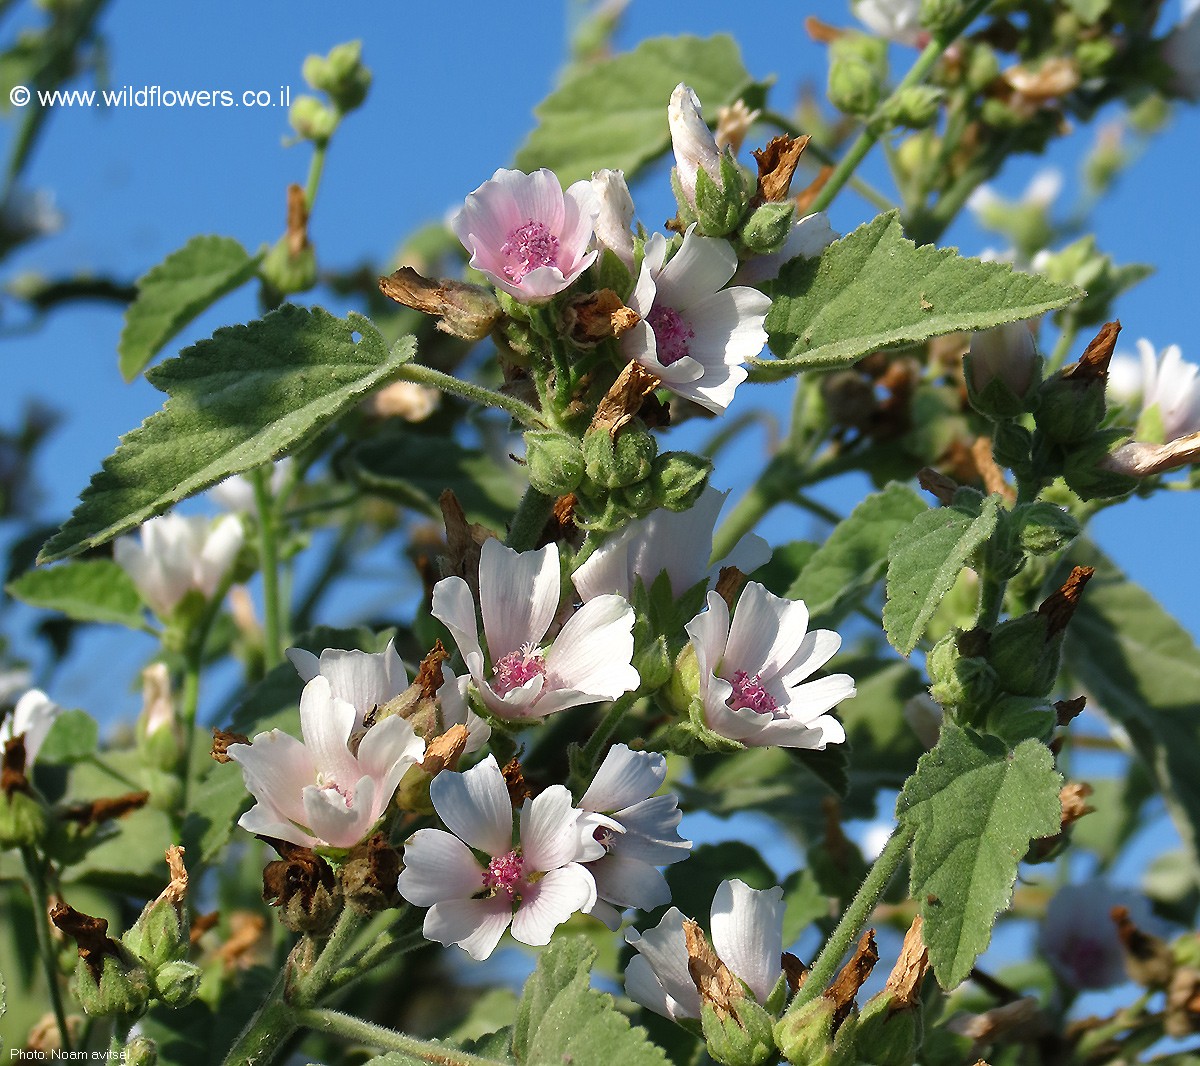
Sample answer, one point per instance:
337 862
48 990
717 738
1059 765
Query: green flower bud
768 227
140 1051
555 461
964 683
177 983
940 15
312 120
983 68
1002 370
1044 528
347 79
1000 116
720 207
1070 409
1017 718
599 513
810 1037
743 1037
684 686
1087 478
1012 445
287 271
625 461
24 821
853 86
123 987
888 1035
638 499
1024 655
159 935
915 107
678 479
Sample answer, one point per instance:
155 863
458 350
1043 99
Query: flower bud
626 460
768 228
24 819
1044 528
466 311
741 1035
1017 718
176 983
810 1036
915 107
982 67
720 205
693 143
341 75
857 72
555 461
289 271
679 479
966 683
615 221
1001 370
638 499
116 986
1025 655
684 685
312 120
140 1051
938 15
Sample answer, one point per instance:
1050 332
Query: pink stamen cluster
528 247
748 691
518 667
671 334
503 874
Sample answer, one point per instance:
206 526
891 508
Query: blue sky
454 89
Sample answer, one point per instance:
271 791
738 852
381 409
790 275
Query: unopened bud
1044 528
289 271
140 1051
915 107
555 461
614 223
24 820
1091 474
693 143
721 204
679 479
1001 370
341 75
1024 655
160 935
938 15
312 120
890 1026
965 683
857 72
1017 718
116 986
624 461
176 983
768 228
742 1037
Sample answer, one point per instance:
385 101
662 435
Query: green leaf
561 1019
875 288
614 113
924 561
855 554
94 590
243 398
73 736
171 294
1142 669
416 468
975 808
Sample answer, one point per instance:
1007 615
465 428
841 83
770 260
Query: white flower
695 335
747 935
678 542
633 830
535 886
526 235
176 554
897 20
588 662
455 710
321 791
614 222
807 239
750 672
694 144
1041 192
1168 387
32 718
1078 936
158 705
236 494
1181 51
1006 352
365 680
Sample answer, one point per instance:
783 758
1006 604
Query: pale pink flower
615 219
631 832
747 935
476 883
236 494
588 662
365 680
32 718
751 672
175 554
526 235
1079 938
1166 384
1007 352
322 791
694 334
677 542
897 20
693 142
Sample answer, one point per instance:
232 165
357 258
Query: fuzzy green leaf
975 808
614 113
876 288
175 291
1142 668
855 554
562 1019
924 561
92 590
245 397
73 736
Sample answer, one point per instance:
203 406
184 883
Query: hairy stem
35 874
519 410
529 521
376 1036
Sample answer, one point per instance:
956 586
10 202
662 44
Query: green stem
267 1030
855 917
273 646
604 731
778 480
815 507
532 515
45 942
519 410
376 1036
386 946
991 599
310 986
875 128
316 168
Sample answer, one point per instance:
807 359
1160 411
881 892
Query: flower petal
476 925
341 816
766 632
593 651
438 866
549 834
664 950
276 768
518 592
454 607
630 882
326 723
747 933
475 806
625 777
699 269
549 902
